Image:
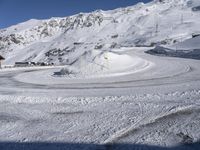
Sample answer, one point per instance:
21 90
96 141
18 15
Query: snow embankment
190 44
102 63
187 49
108 64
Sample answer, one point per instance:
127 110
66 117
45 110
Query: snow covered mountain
87 36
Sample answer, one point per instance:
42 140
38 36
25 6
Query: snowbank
187 49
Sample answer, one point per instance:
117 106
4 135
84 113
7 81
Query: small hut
1 59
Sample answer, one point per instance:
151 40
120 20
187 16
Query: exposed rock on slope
67 40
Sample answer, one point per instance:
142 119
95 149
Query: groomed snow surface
155 103
106 65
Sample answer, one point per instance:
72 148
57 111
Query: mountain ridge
62 40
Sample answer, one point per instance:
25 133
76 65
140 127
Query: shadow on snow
79 146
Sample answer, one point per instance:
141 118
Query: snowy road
162 72
158 105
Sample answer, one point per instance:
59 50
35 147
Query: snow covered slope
187 49
190 44
73 39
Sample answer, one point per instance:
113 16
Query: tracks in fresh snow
156 105
151 124
159 72
145 119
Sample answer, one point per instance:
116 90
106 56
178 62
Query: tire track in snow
149 121
13 82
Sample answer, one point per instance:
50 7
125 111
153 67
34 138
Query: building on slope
1 59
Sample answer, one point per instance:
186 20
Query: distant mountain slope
71 39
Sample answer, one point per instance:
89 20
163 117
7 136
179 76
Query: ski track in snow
157 105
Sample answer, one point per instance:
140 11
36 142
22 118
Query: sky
16 11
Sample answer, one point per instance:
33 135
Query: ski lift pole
107 60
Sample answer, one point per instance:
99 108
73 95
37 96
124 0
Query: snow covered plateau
123 79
